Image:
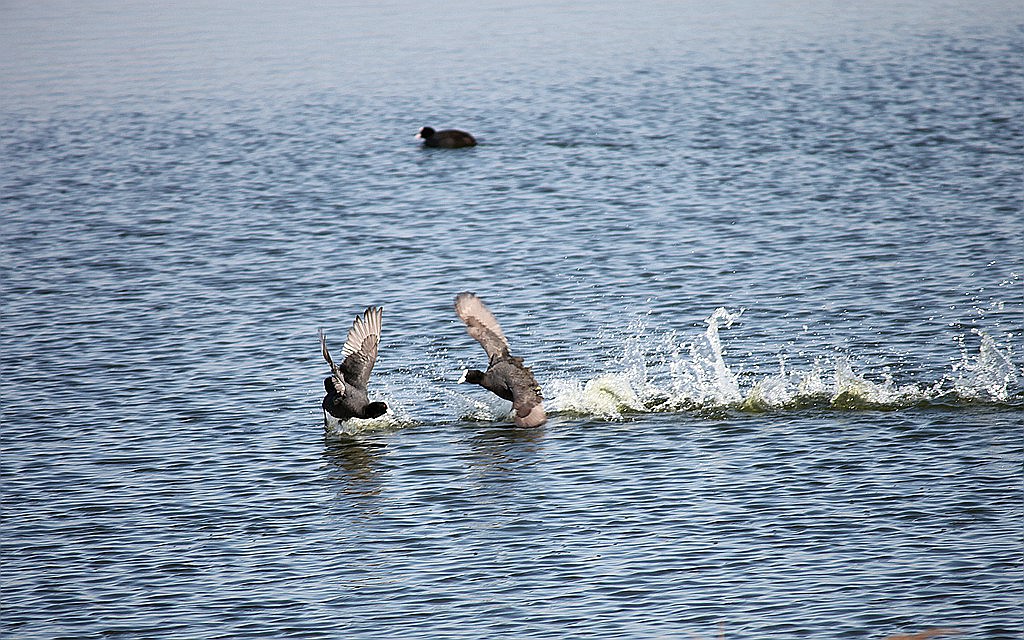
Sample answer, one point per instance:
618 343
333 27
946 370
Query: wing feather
481 324
339 379
528 405
360 348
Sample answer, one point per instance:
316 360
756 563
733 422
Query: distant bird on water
506 375
346 387
447 139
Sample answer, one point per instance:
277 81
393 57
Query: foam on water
483 406
662 373
833 384
609 395
354 426
396 417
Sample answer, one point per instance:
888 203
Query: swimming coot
447 139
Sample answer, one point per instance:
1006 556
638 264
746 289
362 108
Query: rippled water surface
766 263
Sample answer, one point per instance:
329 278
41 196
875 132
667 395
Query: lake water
767 263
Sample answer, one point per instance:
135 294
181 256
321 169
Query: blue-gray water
767 263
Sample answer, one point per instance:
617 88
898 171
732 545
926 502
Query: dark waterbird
447 139
506 375
346 387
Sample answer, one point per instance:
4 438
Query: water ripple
765 263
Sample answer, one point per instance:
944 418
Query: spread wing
360 348
339 384
481 324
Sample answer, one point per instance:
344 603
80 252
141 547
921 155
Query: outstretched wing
481 324
360 348
339 384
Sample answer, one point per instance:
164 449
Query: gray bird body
506 376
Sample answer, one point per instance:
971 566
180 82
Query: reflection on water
356 462
504 450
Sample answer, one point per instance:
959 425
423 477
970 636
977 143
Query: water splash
703 378
697 376
988 376
832 383
607 396
482 407
789 389
396 417
661 374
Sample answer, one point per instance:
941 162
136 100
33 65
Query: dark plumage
447 139
506 375
346 387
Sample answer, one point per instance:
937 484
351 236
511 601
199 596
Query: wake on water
662 373
694 376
